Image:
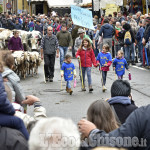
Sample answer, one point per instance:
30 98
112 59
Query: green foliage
1 8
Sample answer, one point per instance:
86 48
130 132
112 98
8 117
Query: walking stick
115 76
61 83
44 72
101 75
81 74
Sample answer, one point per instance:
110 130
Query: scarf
120 100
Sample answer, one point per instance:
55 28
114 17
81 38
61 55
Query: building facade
18 6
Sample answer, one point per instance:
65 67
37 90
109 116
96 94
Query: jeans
96 51
88 70
68 85
140 49
117 48
104 75
63 52
148 57
49 61
73 51
127 50
108 41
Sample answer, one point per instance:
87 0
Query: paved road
60 103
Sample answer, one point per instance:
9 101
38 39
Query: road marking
139 68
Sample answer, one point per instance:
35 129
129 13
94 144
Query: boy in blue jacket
7 112
120 64
67 71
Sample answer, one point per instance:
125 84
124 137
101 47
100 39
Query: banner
96 5
82 17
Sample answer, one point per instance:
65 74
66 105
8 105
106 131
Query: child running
105 60
68 70
120 64
86 55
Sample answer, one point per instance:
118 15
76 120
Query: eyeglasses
50 30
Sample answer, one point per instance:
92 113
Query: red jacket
87 57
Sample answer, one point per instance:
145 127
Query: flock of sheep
27 61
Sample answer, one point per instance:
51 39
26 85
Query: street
59 103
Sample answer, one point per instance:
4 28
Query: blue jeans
88 70
148 56
117 48
140 50
127 50
96 51
104 75
63 52
68 85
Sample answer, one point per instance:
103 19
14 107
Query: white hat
80 30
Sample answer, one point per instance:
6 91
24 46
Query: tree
1 8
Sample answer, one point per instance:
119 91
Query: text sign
82 17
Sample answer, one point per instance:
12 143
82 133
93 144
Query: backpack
127 38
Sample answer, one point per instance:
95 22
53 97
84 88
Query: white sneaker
104 88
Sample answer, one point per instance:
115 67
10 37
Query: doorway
39 9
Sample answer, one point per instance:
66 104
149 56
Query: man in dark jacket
39 27
139 37
133 134
147 30
120 102
17 25
129 48
49 47
10 24
147 37
107 31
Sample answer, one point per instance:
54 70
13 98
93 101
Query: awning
64 3
37 0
